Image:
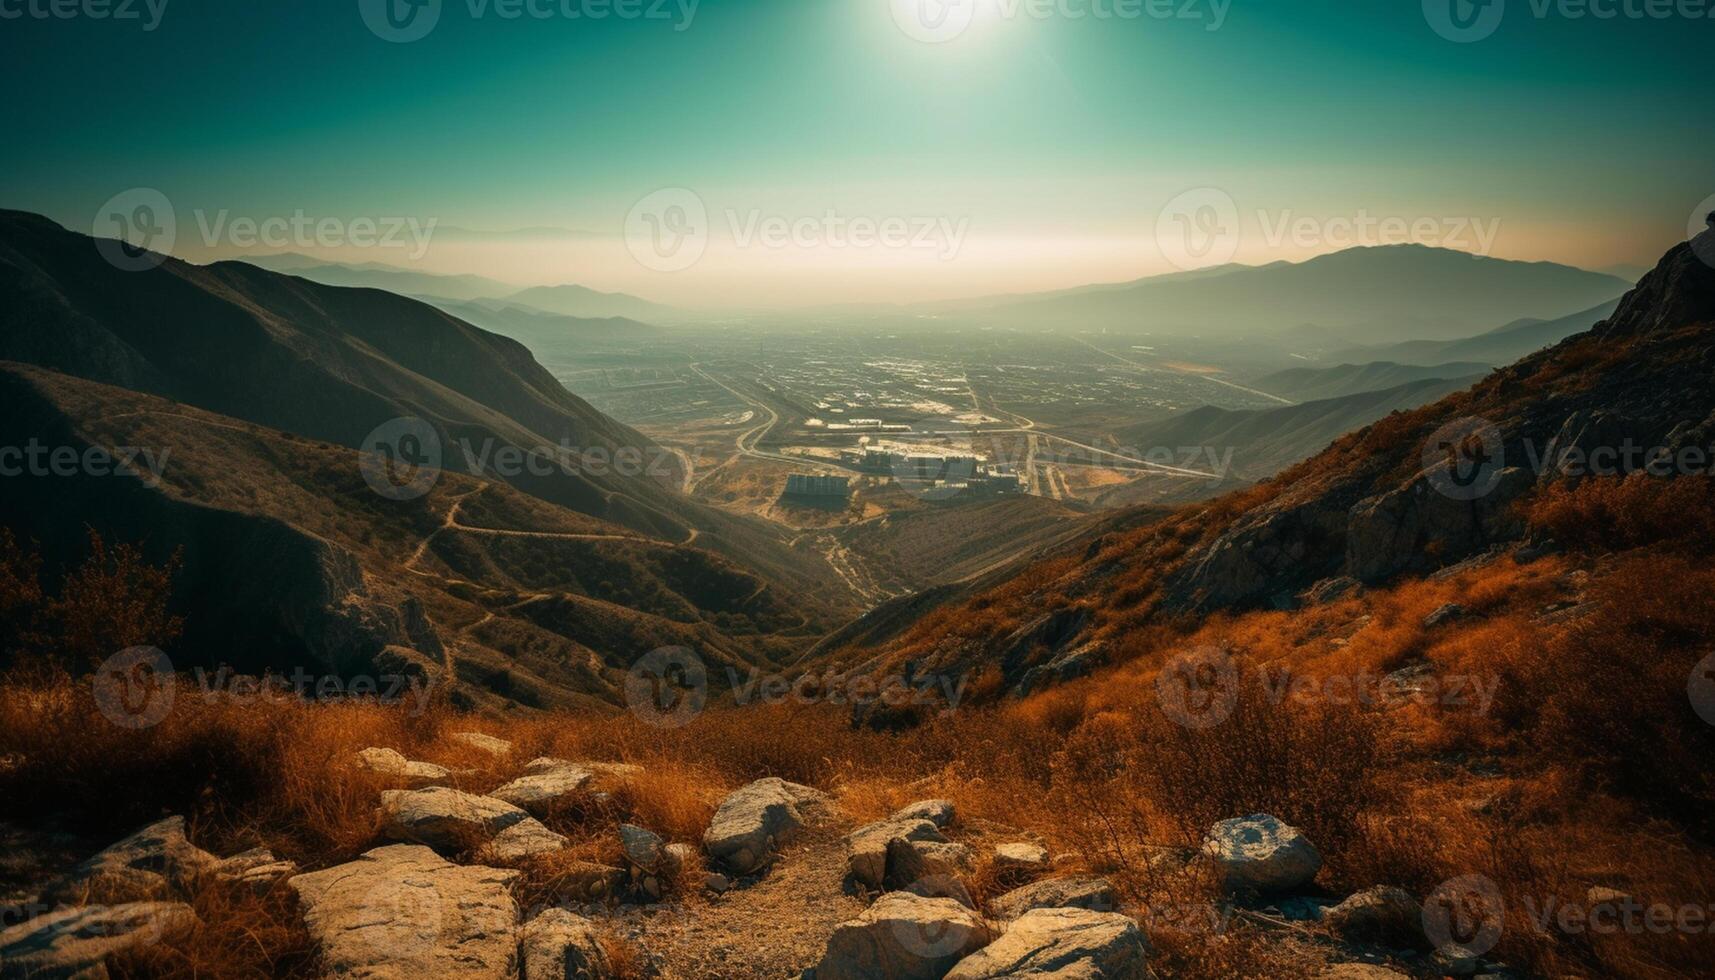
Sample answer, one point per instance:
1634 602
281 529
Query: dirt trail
770 928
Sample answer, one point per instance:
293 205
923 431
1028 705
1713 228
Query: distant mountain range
1497 347
1365 295
1312 383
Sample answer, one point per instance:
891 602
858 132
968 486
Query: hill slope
1311 383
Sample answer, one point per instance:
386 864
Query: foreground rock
1384 915
545 782
256 869
387 762
558 945
526 838
752 819
1046 942
931 868
74 942
154 862
867 847
902 937
446 819
937 812
1090 892
1020 858
497 747
403 911
1260 853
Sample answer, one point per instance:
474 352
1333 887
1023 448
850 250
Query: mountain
377 275
1383 502
1265 441
538 330
1390 293
1502 345
581 301
1310 383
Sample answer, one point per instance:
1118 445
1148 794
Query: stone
542 786
716 882
157 861
1260 853
643 848
1360 971
445 819
524 839
929 868
497 747
587 881
403 912
388 762
1044 942
1383 915
752 819
866 847
74 943
1073 891
256 869
938 812
1446 612
559 945
1020 857
902 937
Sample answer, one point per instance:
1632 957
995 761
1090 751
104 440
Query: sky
778 153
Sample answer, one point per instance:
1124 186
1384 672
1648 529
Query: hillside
1314 383
377 275
545 331
1369 295
335 364
1502 345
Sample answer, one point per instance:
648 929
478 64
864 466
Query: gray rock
544 783
1442 614
938 812
1045 942
866 847
932 869
403 912
257 869
74 943
445 819
1020 857
388 762
587 881
1383 915
716 882
497 747
1260 853
526 838
643 848
157 861
558 945
1073 891
902 937
752 818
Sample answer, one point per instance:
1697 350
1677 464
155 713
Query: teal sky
1056 141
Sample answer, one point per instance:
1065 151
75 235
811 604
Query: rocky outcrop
558 945
402 912
446 819
524 839
75 942
155 862
388 762
1089 892
545 782
867 847
497 747
749 822
1260 853
1393 531
931 868
902 937
1020 858
1061 942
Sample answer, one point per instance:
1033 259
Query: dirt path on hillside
772 928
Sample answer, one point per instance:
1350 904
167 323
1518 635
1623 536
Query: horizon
827 155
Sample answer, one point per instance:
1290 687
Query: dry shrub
623 957
1617 514
240 934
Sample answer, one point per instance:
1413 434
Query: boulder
902 937
1446 612
643 848
445 819
1044 942
929 868
526 838
1020 858
1090 892
497 747
558 945
752 818
1383 915
1260 853
75 942
866 847
388 762
937 812
156 861
403 912
544 783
